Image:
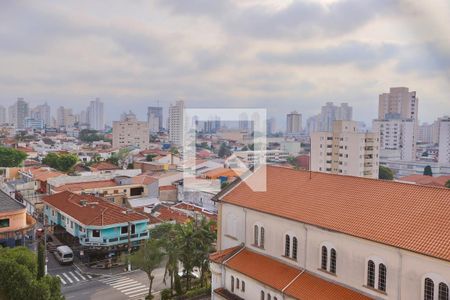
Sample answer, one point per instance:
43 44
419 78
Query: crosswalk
72 277
131 288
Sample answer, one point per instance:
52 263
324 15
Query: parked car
64 255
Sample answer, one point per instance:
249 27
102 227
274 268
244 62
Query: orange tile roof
280 276
216 173
165 213
307 286
81 186
263 269
101 213
426 180
167 188
407 216
143 179
104 165
222 255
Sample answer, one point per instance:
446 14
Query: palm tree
205 236
148 258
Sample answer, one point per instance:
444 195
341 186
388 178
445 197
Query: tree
205 237
150 157
148 258
10 157
61 162
41 261
427 171
224 151
447 184
18 277
385 173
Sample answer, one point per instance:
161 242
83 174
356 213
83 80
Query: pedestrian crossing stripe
71 277
129 287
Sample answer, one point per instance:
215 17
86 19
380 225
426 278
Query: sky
282 55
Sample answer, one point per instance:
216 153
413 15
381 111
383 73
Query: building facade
155 119
96 115
293 124
444 140
399 101
18 112
130 132
322 236
397 138
345 151
176 119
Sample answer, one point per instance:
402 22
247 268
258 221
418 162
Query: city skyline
283 61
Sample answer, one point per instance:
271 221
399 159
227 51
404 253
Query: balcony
86 241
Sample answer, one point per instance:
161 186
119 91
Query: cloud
356 53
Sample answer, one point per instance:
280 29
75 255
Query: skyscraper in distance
293 124
95 115
176 119
155 118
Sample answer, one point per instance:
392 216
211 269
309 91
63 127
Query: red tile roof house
324 236
98 226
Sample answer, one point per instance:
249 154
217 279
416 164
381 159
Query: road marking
73 275
89 276
112 280
62 280
79 274
123 283
67 277
135 292
135 288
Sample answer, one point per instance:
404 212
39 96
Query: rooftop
8 204
91 210
295 282
407 216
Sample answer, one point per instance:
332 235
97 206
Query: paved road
76 285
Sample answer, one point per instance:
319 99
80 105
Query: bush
166 294
197 292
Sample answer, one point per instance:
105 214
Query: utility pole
45 245
129 246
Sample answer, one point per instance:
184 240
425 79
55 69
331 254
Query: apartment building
155 118
176 119
345 151
323 236
444 140
130 132
293 124
397 138
248 159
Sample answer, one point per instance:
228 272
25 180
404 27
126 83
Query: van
64 255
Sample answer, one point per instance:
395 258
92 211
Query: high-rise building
95 115
399 101
64 117
18 112
444 140
397 138
425 133
176 119
293 124
83 118
330 113
155 118
345 151
397 124
271 126
32 123
42 112
130 132
3 118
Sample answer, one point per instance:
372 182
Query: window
123 229
95 233
71 224
243 286
324 258
371 273
443 291
269 297
287 245
262 295
237 283
256 234
261 242
232 284
382 277
133 228
294 247
4 223
429 289
333 261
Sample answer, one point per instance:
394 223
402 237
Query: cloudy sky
277 54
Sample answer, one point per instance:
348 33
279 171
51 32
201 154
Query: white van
64 255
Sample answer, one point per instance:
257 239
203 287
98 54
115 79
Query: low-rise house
439 181
16 226
97 225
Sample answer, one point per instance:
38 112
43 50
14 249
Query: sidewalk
100 272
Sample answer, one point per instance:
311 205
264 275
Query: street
77 285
